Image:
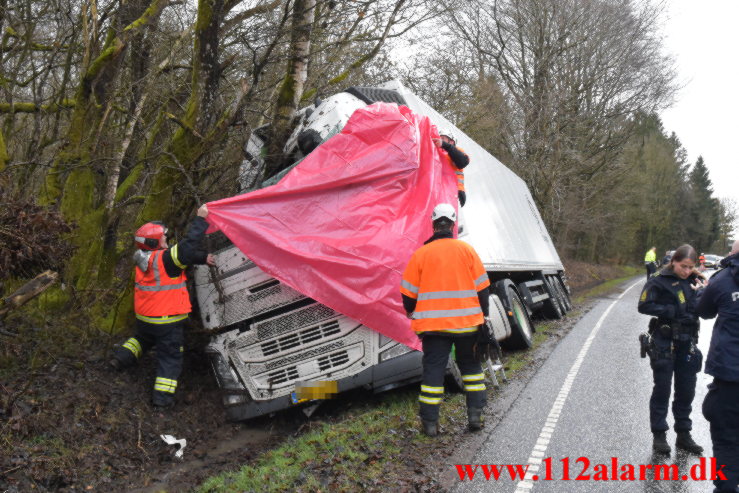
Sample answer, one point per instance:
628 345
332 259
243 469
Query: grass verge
376 447
364 449
628 273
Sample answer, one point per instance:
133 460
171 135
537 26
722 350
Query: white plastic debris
170 440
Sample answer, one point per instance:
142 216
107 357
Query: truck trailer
270 342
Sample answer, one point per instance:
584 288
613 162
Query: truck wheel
521 326
455 374
553 306
566 301
560 295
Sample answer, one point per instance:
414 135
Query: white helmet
444 210
445 132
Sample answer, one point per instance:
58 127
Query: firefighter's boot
659 443
685 441
430 428
474 418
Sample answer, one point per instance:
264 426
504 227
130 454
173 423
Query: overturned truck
270 340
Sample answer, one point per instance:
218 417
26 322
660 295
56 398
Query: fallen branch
28 291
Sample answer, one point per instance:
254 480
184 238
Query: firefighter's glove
486 347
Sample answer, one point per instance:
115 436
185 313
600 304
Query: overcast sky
704 38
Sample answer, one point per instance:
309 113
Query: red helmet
148 236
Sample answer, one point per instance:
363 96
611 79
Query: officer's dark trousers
685 367
436 350
721 409
651 269
168 339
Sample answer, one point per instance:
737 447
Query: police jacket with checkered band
721 298
670 298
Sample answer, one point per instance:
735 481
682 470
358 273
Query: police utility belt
673 330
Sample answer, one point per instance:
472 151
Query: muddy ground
70 423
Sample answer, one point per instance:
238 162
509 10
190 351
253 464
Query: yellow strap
432 390
161 320
173 253
429 400
473 378
133 345
465 330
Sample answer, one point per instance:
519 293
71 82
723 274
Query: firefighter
445 293
650 261
721 405
671 298
161 301
457 158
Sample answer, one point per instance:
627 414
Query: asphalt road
590 400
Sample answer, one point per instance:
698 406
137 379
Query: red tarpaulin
341 226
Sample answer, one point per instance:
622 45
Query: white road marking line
535 457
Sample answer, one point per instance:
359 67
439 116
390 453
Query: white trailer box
270 339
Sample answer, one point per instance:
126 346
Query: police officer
721 405
161 301
650 261
457 159
445 291
671 297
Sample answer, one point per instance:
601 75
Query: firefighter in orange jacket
161 301
457 158
445 293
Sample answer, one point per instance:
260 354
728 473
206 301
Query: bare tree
575 72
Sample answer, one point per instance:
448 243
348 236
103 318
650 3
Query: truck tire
454 376
521 327
560 295
552 308
566 301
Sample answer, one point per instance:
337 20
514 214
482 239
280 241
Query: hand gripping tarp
341 226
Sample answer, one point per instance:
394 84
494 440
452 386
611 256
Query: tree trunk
79 197
291 89
28 291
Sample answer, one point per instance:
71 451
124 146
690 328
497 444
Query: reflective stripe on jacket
444 276
459 172
158 295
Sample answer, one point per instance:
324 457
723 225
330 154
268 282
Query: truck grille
333 360
287 322
303 337
283 375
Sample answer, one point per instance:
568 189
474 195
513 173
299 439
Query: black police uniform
721 405
674 335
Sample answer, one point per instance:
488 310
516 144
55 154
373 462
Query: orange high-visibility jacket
444 277
459 172
158 295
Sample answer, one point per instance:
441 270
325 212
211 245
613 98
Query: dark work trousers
436 350
721 409
651 269
685 366
168 340
462 197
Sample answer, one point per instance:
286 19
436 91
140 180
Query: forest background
116 112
